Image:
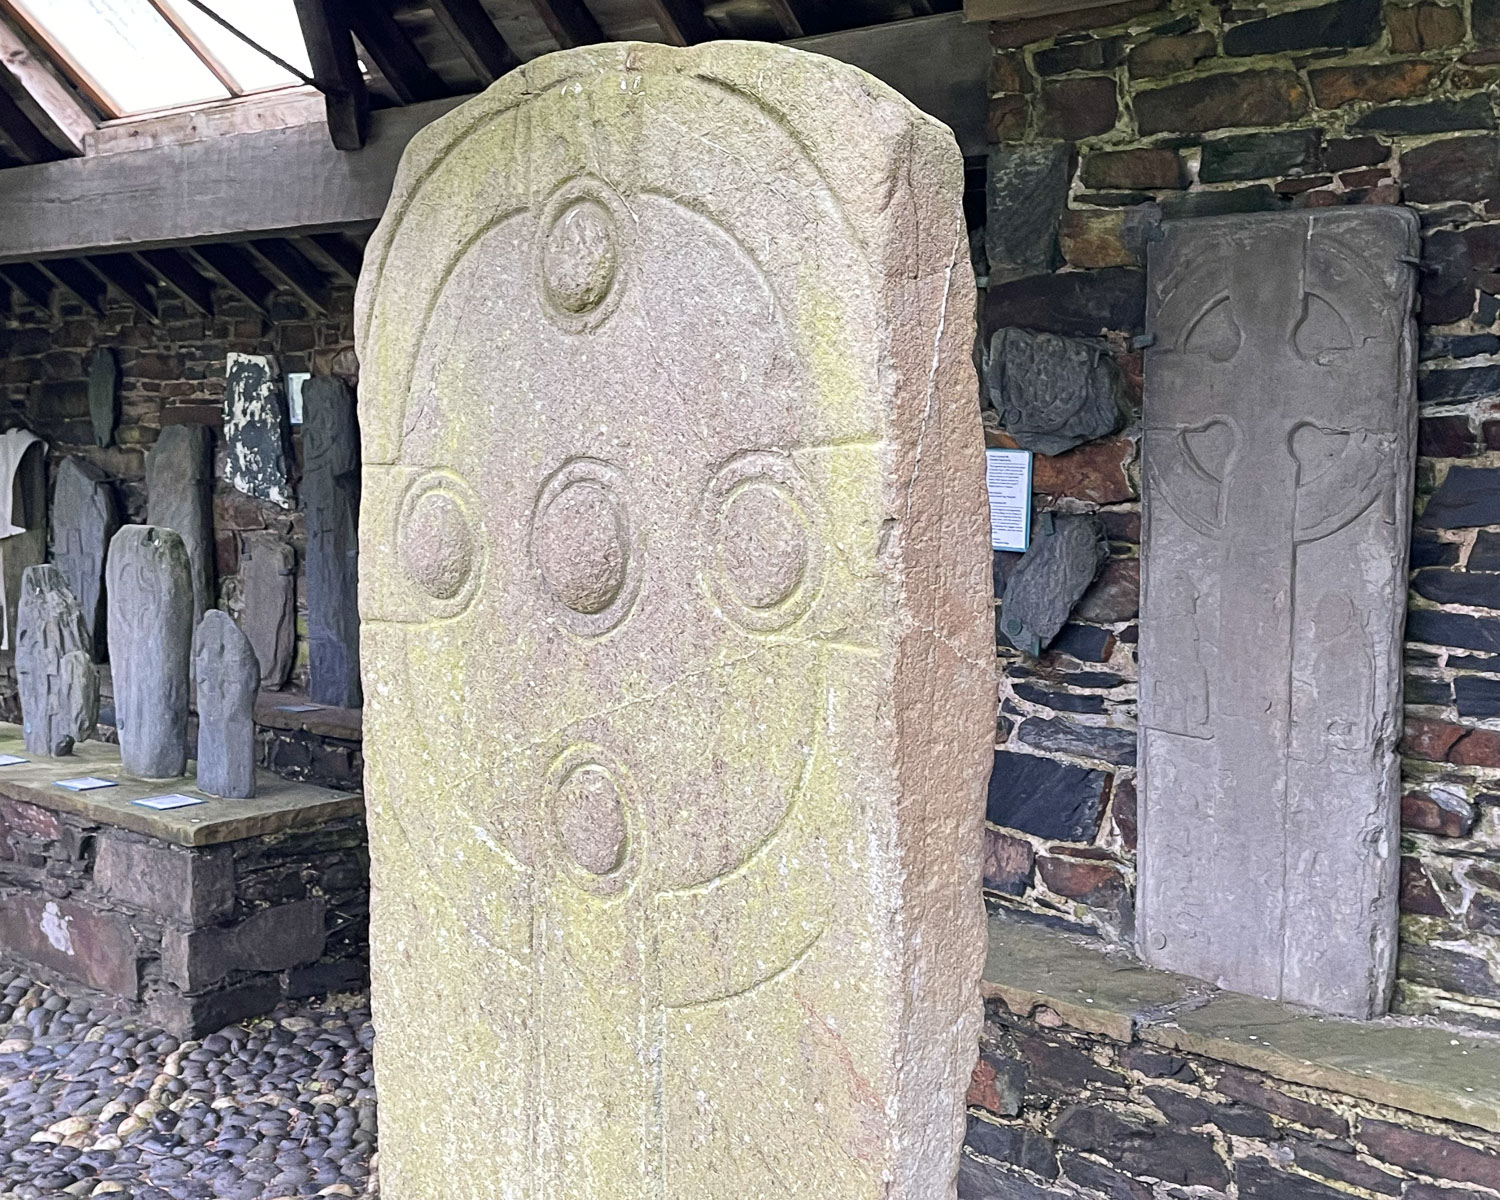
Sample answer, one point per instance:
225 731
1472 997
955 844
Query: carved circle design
765 563
591 818
583 546
582 252
438 544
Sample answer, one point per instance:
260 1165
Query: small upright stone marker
85 516
268 593
330 495
679 642
1278 458
55 671
228 678
104 395
179 497
150 591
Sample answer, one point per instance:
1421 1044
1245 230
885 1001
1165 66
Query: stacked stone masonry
1105 122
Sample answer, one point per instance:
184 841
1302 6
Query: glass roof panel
126 50
272 23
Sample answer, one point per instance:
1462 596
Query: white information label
296 708
170 800
1007 474
85 783
10 760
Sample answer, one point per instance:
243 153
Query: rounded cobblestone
97 1103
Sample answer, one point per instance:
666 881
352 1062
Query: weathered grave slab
676 738
1065 555
179 497
85 515
104 395
268 597
23 519
1278 458
150 592
330 498
227 676
257 428
1052 393
55 672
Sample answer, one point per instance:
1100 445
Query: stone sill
279 805
1405 1063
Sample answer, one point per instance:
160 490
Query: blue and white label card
296 708
1007 476
10 760
170 800
85 783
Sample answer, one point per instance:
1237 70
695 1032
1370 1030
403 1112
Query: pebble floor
94 1103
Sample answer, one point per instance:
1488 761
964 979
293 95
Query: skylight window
135 56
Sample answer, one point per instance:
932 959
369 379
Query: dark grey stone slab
1046 798
257 429
85 516
1027 189
1066 553
179 497
55 671
23 518
104 395
1278 457
150 590
1052 393
268 596
330 496
228 678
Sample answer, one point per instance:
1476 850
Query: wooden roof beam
182 277
30 282
330 48
789 16
21 135
570 22
347 256
393 53
488 54
79 280
682 21
46 101
305 280
125 275
239 273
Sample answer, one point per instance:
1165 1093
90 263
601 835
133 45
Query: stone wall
1172 108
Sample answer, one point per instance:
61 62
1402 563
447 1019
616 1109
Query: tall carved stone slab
179 496
85 516
330 497
1279 437
268 592
150 589
678 637
55 675
228 677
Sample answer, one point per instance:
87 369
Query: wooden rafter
79 280
30 282
570 22
50 106
239 273
345 255
305 280
198 46
789 17
488 54
124 274
330 48
393 53
682 21
59 54
182 277
21 135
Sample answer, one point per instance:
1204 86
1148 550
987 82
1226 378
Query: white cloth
13 446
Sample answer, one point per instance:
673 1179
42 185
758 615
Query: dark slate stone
1464 168
178 497
1111 1184
1066 553
104 395
1046 798
1447 282
228 677
150 591
1427 689
1142 1149
85 516
1468 496
1477 696
1183 205
1061 736
1333 1163
330 496
1259 155
1061 701
1052 393
1477 589
1446 437
1458 345
983 1181
1076 303
1343 153
1342 25
1027 191
1086 643
1430 116
268 594
1434 627
1485 16
1259 1180
1077 108
1089 54
1458 384
1488 310
1013 1144
55 672
1484 555
257 429
1223 100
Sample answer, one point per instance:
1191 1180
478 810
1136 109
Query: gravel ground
95 1103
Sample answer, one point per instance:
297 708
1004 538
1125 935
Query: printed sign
1007 475
170 800
85 783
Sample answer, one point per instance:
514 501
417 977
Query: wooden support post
182 277
47 103
393 53
304 279
239 273
330 47
30 282
127 278
79 280
682 21
477 39
570 22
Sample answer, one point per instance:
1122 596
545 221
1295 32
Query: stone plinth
673 521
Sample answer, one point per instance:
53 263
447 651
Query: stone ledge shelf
279 806
1433 1071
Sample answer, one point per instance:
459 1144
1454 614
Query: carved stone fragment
1027 191
150 590
330 496
104 395
1277 459
1066 553
85 516
1052 393
268 595
228 678
55 670
179 497
676 738
23 519
257 428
